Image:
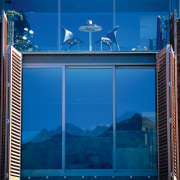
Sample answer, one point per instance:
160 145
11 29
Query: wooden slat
16 87
15 139
15 164
16 106
167 108
174 109
16 97
13 100
16 160
17 134
3 128
15 129
13 177
14 116
14 150
16 120
177 57
175 75
15 171
164 164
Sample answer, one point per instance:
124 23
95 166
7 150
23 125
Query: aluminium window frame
89 172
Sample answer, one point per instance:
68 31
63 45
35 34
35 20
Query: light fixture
24 37
31 32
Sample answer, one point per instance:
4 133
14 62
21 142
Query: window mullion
114 118
63 120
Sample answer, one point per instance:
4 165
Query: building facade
89 89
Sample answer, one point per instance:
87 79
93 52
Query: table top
90 28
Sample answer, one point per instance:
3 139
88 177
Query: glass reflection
79 12
141 30
42 116
137 21
89 131
136 119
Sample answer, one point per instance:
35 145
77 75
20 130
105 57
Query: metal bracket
170 120
8 51
172 174
169 83
7 121
6 175
8 84
169 50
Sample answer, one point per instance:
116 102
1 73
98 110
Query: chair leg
110 47
78 45
118 47
69 47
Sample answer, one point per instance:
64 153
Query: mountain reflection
90 149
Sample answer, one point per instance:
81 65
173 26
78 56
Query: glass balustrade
101 25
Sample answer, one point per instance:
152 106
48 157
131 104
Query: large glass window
89 121
89 118
42 118
39 25
136 118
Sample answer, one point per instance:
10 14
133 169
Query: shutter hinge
8 84
171 174
7 121
169 83
6 175
8 51
169 50
170 120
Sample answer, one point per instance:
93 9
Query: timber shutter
163 115
175 99
4 43
178 71
167 115
174 116
13 113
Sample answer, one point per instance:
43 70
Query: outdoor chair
68 39
110 39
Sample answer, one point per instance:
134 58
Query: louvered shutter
174 116
13 113
174 95
4 40
178 73
167 115
163 115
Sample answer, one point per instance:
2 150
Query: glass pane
137 23
89 140
78 13
142 30
42 116
136 118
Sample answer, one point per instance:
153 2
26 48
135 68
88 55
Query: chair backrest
112 35
67 34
